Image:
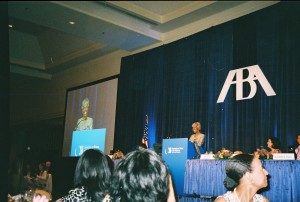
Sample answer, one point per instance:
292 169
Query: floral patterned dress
79 194
229 197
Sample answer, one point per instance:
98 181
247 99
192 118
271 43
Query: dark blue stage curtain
179 83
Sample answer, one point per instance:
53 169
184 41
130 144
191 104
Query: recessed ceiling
43 42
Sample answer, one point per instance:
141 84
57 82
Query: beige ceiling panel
75 54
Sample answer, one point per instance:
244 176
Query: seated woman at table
245 175
274 145
296 148
42 173
41 177
92 178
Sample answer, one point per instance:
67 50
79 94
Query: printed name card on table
283 156
207 157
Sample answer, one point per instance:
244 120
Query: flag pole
145 136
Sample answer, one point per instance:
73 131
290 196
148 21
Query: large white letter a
255 73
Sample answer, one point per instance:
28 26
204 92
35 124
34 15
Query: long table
205 178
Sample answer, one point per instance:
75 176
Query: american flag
145 136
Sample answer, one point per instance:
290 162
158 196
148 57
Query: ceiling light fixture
72 23
10 26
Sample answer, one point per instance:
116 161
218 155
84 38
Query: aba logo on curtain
255 73
145 135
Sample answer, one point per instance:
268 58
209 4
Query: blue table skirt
205 178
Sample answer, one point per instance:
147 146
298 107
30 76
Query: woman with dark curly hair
92 178
274 145
142 176
245 175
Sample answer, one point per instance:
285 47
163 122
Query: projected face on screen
85 122
90 117
85 107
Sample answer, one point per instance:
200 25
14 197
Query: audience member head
246 169
274 143
42 167
142 145
48 164
92 172
140 176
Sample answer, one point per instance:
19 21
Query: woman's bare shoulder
220 199
266 199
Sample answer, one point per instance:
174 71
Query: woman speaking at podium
197 138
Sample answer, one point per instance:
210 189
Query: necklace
236 196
